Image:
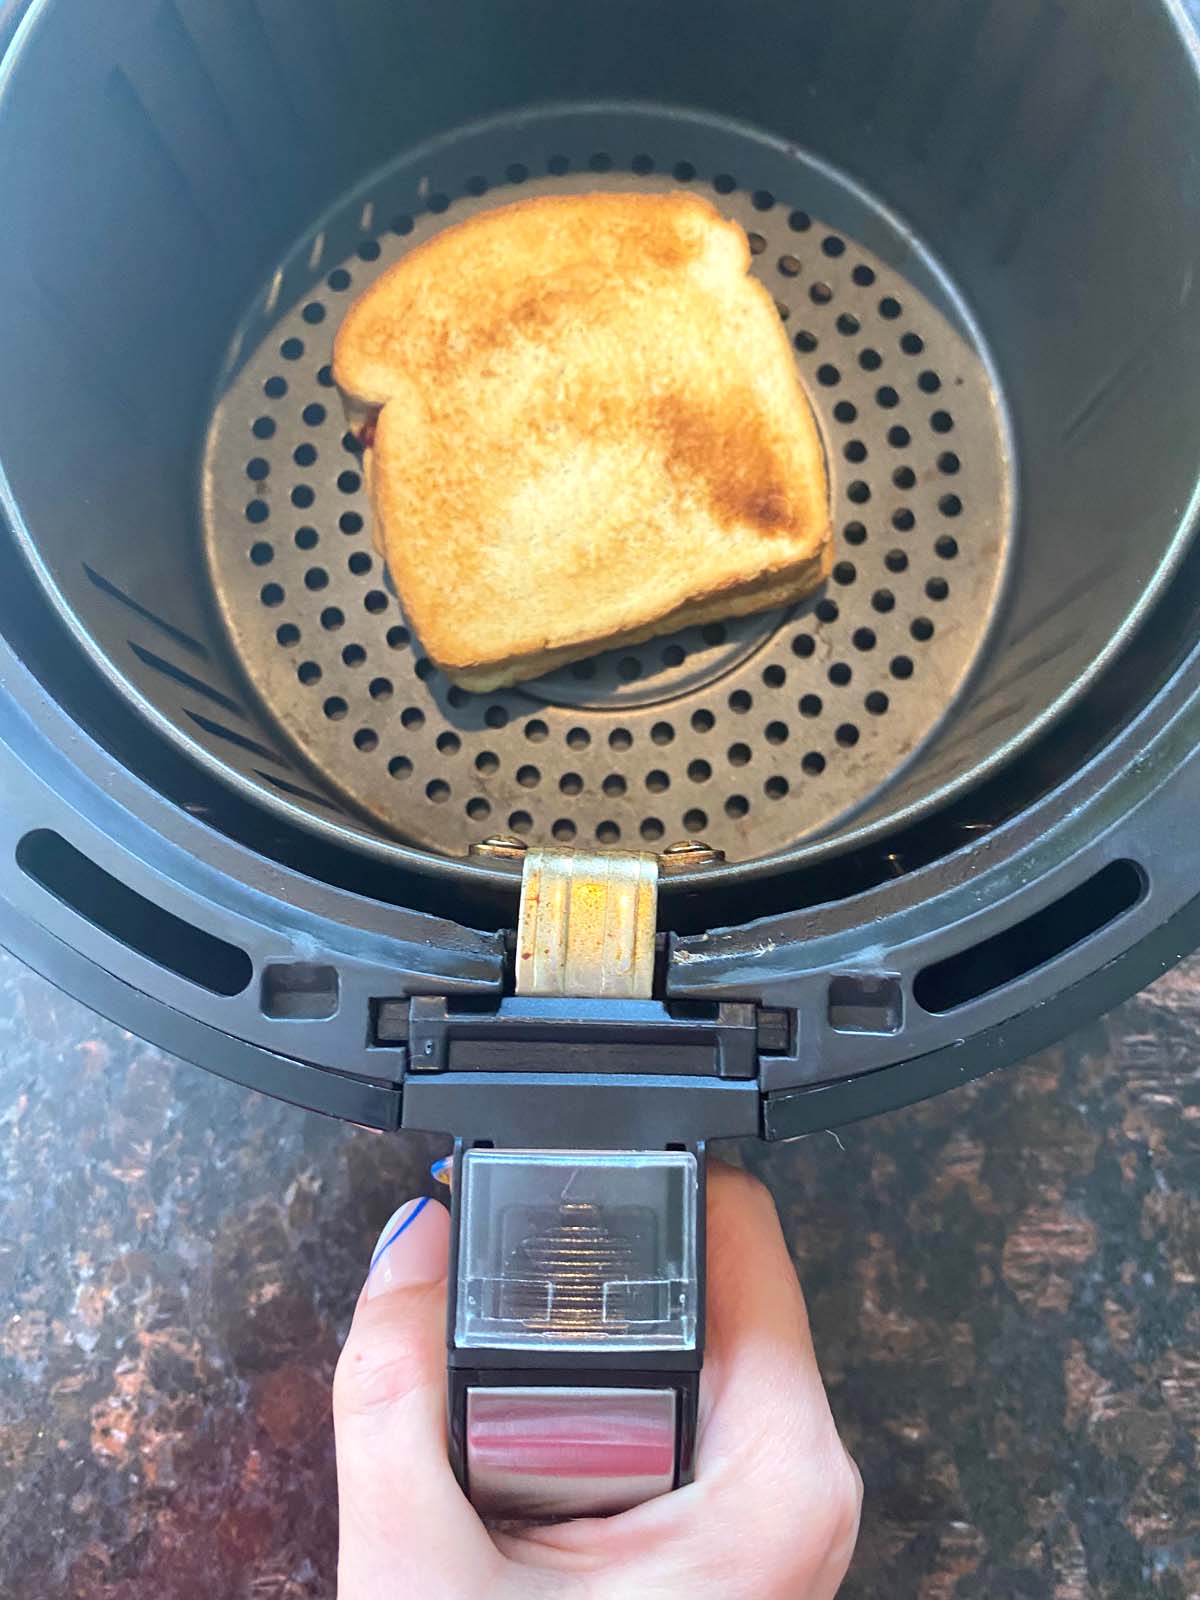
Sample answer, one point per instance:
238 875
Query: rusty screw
687 854
501 847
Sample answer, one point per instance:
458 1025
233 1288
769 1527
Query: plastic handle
576 1328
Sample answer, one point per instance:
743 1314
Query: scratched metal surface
1002 1284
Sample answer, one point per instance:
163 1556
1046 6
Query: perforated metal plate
753 733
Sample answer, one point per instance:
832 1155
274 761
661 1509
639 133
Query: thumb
402 1511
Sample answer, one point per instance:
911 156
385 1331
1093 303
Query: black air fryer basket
955 791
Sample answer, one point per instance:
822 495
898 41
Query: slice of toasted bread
591 431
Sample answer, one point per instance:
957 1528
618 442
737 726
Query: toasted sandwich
586 428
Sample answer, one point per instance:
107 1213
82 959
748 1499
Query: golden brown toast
591 431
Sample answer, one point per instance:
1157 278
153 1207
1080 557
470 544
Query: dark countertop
1002 1284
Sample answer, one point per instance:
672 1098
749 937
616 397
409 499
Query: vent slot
300 991
106 586
186 679
861 1002
296 791
1030 944
131 919
231 736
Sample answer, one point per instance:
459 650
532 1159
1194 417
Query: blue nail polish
386 1244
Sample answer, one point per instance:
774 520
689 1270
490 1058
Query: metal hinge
587 918
586 925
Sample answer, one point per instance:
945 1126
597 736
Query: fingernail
442 1170
411 1250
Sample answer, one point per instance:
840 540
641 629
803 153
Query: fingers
405 1524
758 1335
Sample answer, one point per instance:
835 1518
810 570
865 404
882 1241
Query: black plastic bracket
595 1074
521 1034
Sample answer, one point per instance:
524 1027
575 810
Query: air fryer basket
990 296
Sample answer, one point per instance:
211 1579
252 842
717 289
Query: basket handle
575 1333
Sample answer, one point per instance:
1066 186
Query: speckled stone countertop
1002 1284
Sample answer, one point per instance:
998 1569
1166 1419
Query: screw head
686 854
500 847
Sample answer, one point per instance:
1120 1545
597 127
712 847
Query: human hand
773 1513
